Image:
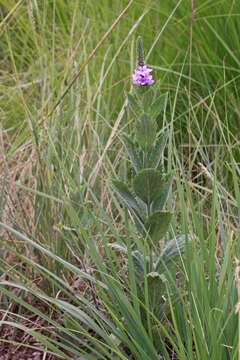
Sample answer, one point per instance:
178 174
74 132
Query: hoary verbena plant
147 196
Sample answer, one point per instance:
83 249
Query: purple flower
142 76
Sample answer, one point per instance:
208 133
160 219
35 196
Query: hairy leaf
126 195
157 224
146 96
156 290
143 206
137 257
132 152
134 104
138 262
155 154
118 248
174 247
129 200
146 130
158 106
171 249
161 199
147 185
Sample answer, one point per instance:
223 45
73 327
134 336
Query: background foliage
62 110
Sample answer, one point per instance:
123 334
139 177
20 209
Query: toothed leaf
147 185
129 200
157 224
172 249
161 199
146 130
158 106
132 152
155 154
134 104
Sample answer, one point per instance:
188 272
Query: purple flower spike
142 76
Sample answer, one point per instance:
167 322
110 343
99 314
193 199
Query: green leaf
147 184
132 153
146 96
161 199
156 290
158 106
125 194
143 206
134 105
172 248
118 248
157 224
155 155
146 130
129 200
155 280
138 262
137 257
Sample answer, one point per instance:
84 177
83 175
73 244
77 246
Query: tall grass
60 146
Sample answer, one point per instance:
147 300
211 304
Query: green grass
62 106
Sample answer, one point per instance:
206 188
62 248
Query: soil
15 344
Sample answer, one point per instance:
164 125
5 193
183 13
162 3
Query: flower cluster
142 76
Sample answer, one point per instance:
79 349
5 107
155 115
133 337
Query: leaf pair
153 188
151 158
146 203
146 132
172 249
147 101
150 185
